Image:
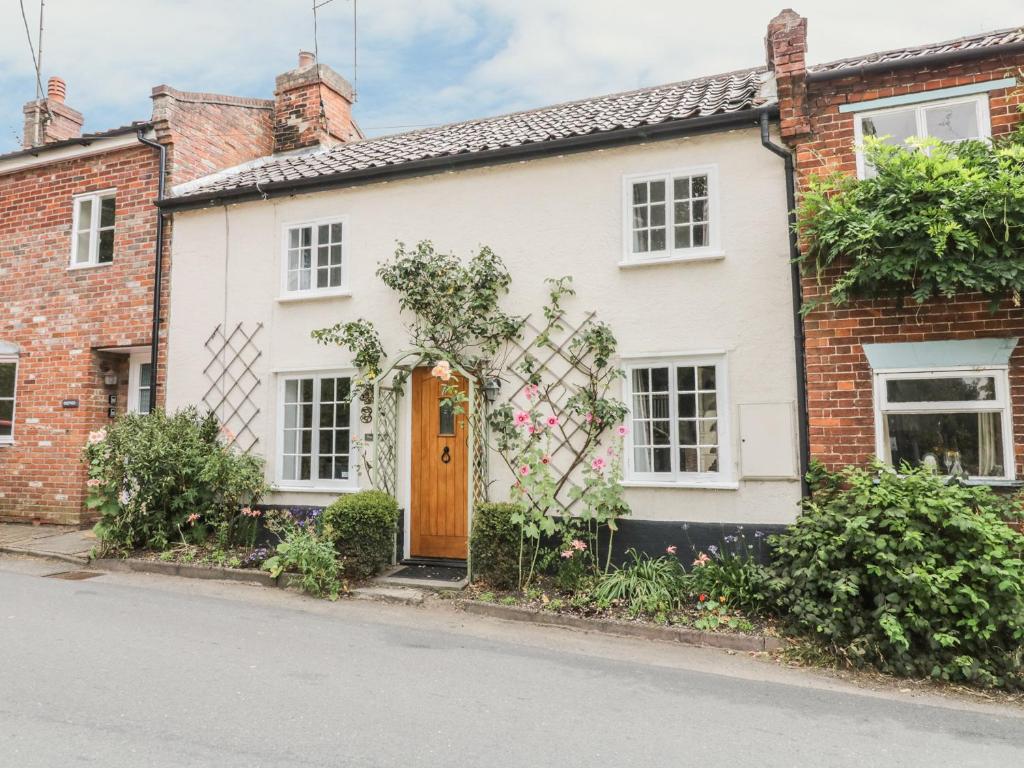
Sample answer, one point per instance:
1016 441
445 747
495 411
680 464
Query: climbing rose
442 371
552 421
589 417
597 464
622 429
524 470
521 418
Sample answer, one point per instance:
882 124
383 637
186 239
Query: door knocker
445 455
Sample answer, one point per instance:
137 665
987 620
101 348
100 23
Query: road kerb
684 635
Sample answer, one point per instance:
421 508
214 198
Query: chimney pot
306 59
56 89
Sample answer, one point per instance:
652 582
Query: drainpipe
798 323
158 269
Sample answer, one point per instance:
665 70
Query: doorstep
440 578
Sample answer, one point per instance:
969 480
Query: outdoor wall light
110 379
491 389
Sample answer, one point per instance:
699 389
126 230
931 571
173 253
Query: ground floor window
955 421
316 430
140 383
678 415
8 381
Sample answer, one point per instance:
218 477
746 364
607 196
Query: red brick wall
59 316
840 407
207 132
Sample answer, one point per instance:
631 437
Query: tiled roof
84 139
716 95
970 43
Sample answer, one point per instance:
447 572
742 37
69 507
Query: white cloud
427 61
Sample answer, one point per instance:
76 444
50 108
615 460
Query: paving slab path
60 542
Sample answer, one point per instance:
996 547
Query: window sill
707 256
712 485
77 267
313 296
313 489
995 482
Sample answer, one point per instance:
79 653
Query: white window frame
135 363
1002 405
313 291
92 257
6 360
712 250
979 100
725 476
315 483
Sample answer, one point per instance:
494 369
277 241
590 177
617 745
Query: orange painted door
439 502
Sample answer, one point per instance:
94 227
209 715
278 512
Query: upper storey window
314 257
951 120
92 236
671 215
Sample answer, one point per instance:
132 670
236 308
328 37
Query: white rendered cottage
663 204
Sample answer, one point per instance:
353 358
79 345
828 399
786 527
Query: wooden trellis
384 464
546 351
233 383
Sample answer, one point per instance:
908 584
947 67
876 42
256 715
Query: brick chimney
786 50
50 119
299 121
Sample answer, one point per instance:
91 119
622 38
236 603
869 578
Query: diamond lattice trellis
384 465
478 448
546 351
233 382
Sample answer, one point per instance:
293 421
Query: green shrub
304 549
362 527
908 573
646 585
494 544
157 479
742 581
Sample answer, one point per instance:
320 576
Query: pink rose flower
442 370
552 421
622 430
589 417
524 470
597 464
521 418
531 429
545 459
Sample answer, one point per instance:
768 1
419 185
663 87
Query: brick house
79 234
943 382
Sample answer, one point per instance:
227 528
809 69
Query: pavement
61 542
130 669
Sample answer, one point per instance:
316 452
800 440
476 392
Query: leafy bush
304 549
646 585
936 220
362 528
156 479
494 544
908 573
742 581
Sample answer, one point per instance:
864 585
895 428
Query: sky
426 62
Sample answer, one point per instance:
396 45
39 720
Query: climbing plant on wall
935 220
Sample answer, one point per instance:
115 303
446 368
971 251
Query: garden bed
548 599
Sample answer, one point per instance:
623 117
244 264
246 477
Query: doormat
445 573
74 575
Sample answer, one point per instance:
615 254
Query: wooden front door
439 501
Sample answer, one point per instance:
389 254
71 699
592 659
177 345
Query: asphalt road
132 670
